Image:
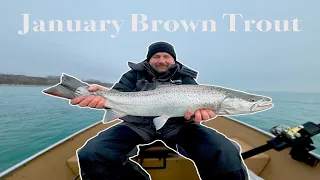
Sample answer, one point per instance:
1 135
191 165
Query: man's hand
91 101
200 115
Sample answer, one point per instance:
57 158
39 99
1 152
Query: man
106 155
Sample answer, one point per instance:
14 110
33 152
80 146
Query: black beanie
161 47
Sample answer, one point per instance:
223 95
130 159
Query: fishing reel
299 138
286 131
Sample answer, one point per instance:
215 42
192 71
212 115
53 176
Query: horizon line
244 89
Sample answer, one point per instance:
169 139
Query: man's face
161 61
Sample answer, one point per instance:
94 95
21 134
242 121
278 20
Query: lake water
31 121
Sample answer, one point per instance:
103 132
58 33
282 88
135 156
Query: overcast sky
286 61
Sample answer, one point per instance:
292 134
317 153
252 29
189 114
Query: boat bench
158 156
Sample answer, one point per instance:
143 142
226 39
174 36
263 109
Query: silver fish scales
166 101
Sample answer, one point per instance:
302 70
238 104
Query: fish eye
252 100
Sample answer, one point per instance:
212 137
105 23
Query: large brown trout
165 102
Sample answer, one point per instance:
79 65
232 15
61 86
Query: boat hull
56 161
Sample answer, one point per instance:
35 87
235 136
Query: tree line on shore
11 79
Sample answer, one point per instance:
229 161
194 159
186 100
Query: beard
161 68
166 70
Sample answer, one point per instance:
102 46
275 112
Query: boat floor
60 161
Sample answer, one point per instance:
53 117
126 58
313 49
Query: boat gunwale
23 162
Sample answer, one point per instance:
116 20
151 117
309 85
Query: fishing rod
299 138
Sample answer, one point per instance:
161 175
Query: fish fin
227 112
59 91
72 82
160 121
66 88
111 114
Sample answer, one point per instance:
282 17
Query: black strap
256 151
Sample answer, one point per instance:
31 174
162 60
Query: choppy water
31 121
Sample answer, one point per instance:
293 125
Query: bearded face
161 62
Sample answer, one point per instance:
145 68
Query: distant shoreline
23 80
34 81
22 85
38 85
33 85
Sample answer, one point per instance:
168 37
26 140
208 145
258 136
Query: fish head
244 103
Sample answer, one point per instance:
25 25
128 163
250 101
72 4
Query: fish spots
174 100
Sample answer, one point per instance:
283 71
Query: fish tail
67 87
71 82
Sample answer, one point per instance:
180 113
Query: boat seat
255 163
158 150
154 150
73 164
